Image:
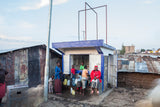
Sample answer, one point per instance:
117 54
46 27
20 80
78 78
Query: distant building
129 49
149 51
138 51
158 50
118 51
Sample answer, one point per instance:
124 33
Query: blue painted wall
102 71
62 63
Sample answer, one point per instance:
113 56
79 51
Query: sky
130 22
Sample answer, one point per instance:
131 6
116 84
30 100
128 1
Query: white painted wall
80 51
112 70
94 60
106 51
66 63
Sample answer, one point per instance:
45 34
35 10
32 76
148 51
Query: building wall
21 67
112 70
80 51
78 59
53 63
135 79
94 60
106 52
26 66
105 72
7 63
42 55
129 49
34 77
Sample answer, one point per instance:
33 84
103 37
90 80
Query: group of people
58 79
79 79
95 78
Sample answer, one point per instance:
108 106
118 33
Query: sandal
92 92
97 92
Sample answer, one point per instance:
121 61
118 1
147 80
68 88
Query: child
81 66
73 71
51 84
79 83
84 78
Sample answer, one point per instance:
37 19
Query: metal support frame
97 18
90 8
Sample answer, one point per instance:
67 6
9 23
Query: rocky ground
119 97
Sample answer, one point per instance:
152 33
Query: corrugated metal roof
6 50
122 59
42 45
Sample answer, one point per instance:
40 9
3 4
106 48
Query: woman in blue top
58 83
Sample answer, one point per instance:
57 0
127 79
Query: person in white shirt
51 85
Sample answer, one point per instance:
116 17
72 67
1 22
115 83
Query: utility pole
47 56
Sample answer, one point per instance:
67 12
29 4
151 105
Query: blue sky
25 22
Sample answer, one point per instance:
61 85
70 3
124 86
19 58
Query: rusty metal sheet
21 67
34 76
7 62
42 55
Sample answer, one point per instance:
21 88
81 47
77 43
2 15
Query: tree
122 51
142 50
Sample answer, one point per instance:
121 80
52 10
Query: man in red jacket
95 79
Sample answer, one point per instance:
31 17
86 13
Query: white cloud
1 20
148 1
18 38
26 25
42 3
8 42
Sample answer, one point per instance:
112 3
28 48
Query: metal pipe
106 24
78 25
83 35
97 26
85 22
47 56
93 8
97 17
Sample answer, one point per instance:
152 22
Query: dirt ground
119 97
124 97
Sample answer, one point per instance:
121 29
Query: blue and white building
91 52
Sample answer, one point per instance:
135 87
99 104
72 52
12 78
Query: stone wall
136 79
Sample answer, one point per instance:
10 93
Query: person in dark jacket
3 73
